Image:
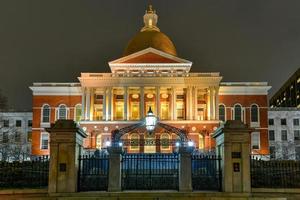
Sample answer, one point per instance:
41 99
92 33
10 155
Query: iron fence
206 172
150 171
275 173
26 174
93 172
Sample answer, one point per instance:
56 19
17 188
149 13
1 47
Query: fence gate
206 172
150 171
93 173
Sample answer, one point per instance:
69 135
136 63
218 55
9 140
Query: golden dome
150 36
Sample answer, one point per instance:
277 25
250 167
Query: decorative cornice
55 90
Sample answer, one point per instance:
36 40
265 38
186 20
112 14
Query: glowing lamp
150 120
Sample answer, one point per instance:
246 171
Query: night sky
53 41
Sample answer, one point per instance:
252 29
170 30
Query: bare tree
13 145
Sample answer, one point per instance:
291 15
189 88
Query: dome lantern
150 20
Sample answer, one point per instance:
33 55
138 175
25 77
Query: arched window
201 142
222 112
62 112
165 140
77 112
46 114
238 112
98 141
134 141
254 113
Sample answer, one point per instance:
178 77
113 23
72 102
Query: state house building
150 74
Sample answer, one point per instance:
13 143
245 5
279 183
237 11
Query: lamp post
150 121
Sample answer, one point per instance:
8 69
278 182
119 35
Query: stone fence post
233 145
185 169
114 173
66 139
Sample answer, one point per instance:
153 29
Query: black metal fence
93 172
275 173
26 174
206 172
150 171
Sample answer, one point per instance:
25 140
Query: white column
212 102
142 102
208 104
174 103
195 103
83 104
109 104
91 104
104 116
157 101
217 103
191 103
187 103
126 103
88 103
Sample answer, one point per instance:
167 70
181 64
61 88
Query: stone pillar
195 103
157 94
142 102
104 115
185 169
217 102
91 116
88 103
212 102
174 117
208 104
187 103
109 104
233 145
126 103
115 175
83 104
66 140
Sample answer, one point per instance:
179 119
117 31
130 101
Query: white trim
55 91
246 89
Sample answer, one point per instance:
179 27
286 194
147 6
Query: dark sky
53 41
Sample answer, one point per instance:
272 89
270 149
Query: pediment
149 55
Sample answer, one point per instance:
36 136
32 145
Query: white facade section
244 88
284 133
53 89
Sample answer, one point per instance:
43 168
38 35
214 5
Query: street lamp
150 121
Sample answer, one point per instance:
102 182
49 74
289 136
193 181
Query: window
284 135
201 141
62 112
17 137
222 113
29 136
44 141
165 141
285 152
283 121
6 123
296 122
29 123
271 135
297 151
46 114
237 112
78 113
296 134
271 121
255 140
18 123
272 152
134 141
254 113
5 137
98 141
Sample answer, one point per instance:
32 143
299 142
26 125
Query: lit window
222 113
78 113
46 114
44 141
98 141
165 141
134 141
255 140
201 141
